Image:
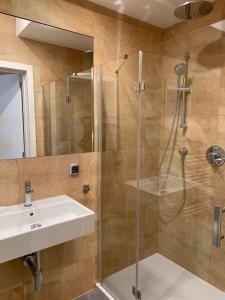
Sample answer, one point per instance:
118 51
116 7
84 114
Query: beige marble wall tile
182 254
69 282
5 6
9 182
11 274
71 253
59 13
50 175
13 294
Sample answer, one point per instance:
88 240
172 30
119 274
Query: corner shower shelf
163 185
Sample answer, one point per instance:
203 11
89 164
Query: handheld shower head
193 9
180 69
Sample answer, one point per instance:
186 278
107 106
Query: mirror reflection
46 90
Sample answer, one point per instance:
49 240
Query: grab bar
217 237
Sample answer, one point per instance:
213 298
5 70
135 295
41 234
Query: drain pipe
33 262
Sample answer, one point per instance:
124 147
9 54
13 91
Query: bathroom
112 149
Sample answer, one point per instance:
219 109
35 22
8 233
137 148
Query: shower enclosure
160 110
69 114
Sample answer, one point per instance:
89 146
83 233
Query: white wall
11 121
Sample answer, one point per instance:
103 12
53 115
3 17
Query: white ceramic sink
47 223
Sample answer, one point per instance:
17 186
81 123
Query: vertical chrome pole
100 134
138 171
183 124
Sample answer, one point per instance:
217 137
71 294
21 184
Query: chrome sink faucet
28 194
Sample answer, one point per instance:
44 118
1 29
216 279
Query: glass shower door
119 147
182 116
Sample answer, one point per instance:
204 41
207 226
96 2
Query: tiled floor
93 295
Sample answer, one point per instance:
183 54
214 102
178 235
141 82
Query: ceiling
157 12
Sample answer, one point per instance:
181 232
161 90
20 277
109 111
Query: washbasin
46 223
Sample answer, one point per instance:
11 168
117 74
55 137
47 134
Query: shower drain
34 226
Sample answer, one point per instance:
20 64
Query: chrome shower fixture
183 152
124 58
88 51
215 155
193 9
183 88
33 262
180 69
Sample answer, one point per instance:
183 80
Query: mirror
46 90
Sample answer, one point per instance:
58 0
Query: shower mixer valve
183 151
215 156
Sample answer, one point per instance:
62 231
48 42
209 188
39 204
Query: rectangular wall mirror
46 90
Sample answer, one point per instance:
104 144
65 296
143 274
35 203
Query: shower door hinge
140 86
136 293
68 99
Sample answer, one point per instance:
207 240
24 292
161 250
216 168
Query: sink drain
34 226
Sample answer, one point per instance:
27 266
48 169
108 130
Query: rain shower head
193 9
180 69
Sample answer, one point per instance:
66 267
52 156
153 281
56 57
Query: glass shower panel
59 117
182 116
119 101
70 114
81 114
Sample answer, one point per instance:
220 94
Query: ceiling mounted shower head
193 9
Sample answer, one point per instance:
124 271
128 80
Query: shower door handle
217 236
